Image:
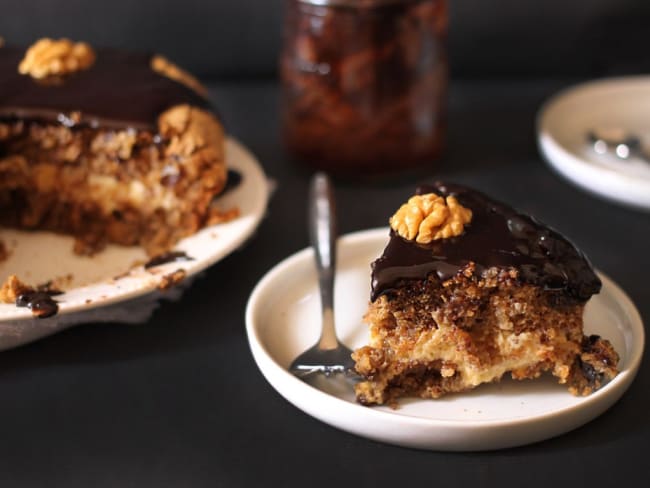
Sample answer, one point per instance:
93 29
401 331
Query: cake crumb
11 289
218 216
56 285
88 245
172 279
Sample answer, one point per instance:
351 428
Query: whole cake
468 290
109 146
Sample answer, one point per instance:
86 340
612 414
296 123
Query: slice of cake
468 290
109 146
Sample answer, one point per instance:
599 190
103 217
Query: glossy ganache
119 91
40 303
168 257
498 236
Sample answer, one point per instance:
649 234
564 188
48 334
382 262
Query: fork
328 356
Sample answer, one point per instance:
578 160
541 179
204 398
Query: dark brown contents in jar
364 87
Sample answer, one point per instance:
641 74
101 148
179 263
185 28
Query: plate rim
282 381
568 164
258 178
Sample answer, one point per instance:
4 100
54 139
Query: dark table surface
178 401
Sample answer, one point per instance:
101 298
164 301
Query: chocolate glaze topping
497 236
120 90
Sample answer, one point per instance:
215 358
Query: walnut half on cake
106 145
468 290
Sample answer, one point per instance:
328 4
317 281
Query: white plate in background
36 257
565 120
283 319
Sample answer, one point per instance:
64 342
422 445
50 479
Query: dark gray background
237 38
178 401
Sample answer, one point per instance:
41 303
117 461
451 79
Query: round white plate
110 276
564 121
282 320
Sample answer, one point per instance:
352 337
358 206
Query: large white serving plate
283 319
100 280
564 121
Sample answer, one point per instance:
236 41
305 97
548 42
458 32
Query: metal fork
328 356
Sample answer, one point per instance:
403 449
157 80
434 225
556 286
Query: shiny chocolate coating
119 91
40 303
168 257
498 236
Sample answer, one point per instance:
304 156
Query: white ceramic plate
564 121
36 257
282 320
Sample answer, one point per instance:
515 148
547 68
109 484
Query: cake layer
113 186
427 339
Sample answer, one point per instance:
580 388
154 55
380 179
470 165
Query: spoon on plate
618 142
328 356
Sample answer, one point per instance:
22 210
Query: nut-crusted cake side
108 146
452 313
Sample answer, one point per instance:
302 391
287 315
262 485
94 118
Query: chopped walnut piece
165 67
425 218
88 244
172 279
49 57
11 288
217 216
189 129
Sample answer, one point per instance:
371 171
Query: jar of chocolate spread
364 83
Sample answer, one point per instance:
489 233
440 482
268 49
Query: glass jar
364 83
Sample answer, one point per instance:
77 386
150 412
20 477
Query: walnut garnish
165 67
56 57
425 218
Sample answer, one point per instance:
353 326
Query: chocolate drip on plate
233 181
40 303
168 257
498 236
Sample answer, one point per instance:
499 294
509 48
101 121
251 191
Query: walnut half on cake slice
468 290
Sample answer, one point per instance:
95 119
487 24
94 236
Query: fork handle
322 234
